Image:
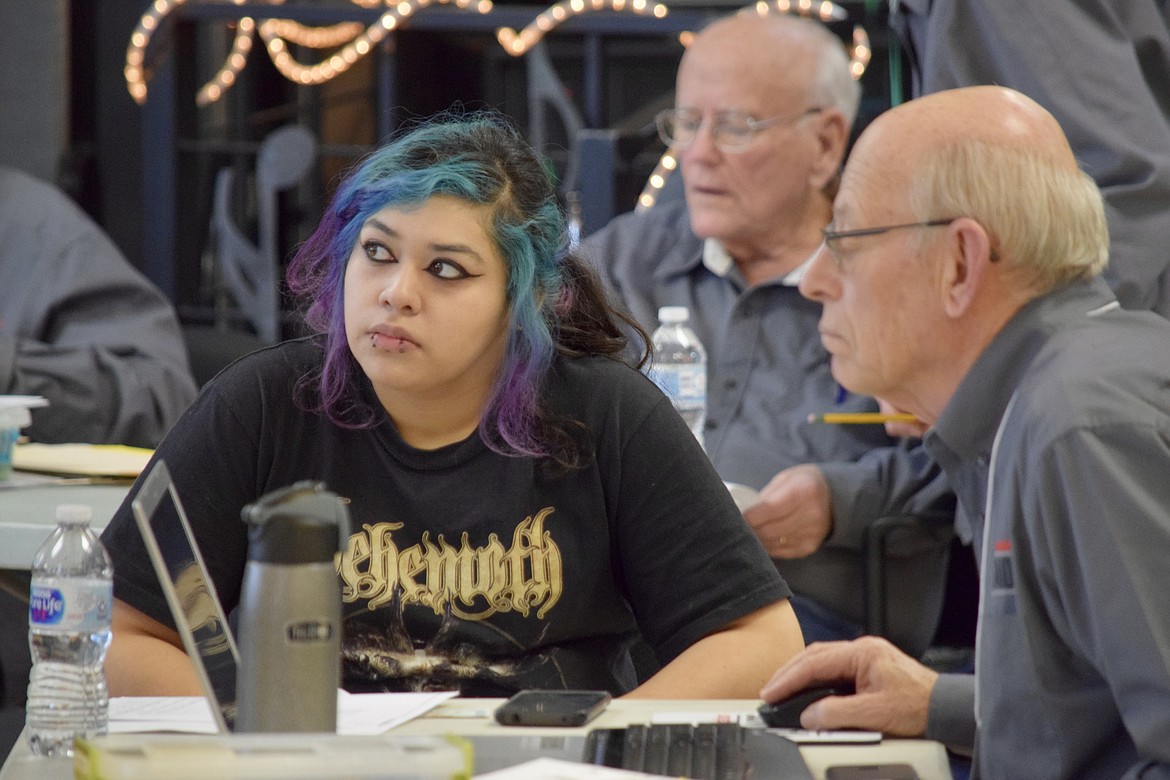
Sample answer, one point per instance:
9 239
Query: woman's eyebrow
379 225
459 249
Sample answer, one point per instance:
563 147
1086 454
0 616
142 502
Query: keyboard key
654 760
703 764
634 748
680 739
729 756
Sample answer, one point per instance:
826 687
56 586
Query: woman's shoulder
269 371
596 367
293 356
598 379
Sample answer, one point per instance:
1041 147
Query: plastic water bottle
679 366
70 602
575 223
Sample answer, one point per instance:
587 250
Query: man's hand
794 515
893 690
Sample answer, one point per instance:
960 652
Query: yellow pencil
848 418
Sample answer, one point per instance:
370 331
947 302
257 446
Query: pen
847 418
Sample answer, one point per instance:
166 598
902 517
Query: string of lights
350 41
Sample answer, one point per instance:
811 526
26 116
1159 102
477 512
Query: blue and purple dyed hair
483 160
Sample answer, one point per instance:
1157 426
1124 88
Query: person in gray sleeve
1101 67
762 115
82 327
961 280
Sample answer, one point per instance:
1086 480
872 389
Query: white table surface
28 505
467 717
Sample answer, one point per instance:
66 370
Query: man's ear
964 266
832 134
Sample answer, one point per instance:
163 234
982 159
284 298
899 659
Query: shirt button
711 425
731 384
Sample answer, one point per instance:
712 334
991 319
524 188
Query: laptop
190 593
207 637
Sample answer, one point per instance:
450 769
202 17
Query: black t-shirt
466 568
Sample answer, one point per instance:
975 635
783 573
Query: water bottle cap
74 514
302 523
673 314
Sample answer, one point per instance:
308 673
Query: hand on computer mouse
785 713
893 689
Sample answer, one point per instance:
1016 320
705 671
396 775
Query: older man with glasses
964 284
762 116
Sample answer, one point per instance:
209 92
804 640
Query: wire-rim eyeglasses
731 131
832 236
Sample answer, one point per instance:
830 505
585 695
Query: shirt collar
967 424
717 260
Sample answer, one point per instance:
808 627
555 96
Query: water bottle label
71 605
685 383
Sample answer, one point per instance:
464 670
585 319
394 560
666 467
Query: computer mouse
785 714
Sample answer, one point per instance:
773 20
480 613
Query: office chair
211 349
950 621
251 272
547 91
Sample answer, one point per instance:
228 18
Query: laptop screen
194 604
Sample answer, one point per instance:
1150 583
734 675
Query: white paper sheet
357 714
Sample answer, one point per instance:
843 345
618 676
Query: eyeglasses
833 236
731 131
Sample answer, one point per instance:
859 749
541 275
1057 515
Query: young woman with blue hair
524 504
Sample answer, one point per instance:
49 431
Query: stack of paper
93 460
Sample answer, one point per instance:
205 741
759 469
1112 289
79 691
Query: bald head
954 211
798 56
767 38
996 116
764 188
995 155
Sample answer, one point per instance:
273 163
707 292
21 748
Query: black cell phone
872 772
552 708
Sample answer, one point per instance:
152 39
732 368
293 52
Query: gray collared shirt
1072 677
767 372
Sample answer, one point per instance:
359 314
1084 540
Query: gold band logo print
474 582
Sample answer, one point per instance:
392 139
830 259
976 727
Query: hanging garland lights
351 41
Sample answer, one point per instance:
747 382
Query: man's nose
703 145
820 280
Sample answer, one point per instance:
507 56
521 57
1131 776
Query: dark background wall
66 115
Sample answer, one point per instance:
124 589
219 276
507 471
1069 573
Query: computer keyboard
705 751
712 751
